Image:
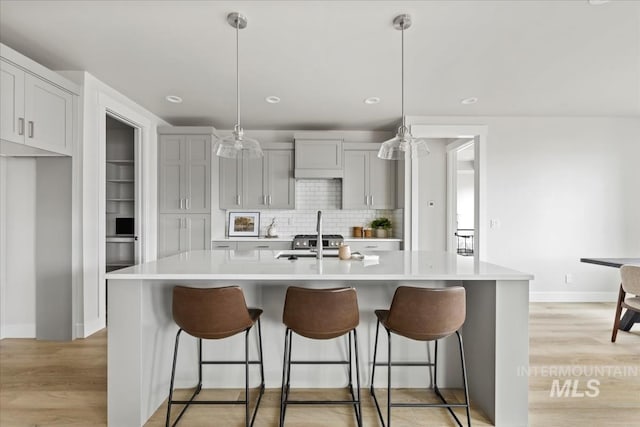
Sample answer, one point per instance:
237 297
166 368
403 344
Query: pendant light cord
402 54
238 74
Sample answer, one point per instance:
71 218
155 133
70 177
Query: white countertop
263 266
284 238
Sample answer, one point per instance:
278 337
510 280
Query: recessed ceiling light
372 100
272 99
174 98
598 2
469 101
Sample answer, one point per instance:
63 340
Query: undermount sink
306 253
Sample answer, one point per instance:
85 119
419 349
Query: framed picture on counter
244 224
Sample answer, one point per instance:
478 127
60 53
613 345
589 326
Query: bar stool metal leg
389 380
358 407
464 378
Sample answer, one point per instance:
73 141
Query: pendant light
396 147
234 145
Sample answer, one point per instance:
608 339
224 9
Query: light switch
494 223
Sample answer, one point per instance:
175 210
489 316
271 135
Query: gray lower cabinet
369 182
184 170
373 245
264 183
262 245
181 233
250 245
223 245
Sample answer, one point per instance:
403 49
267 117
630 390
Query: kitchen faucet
319 240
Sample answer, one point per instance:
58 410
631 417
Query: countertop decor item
381 226
271 230
234 145
245 224
396 147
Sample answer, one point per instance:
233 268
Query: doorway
122 247
430 215
461 196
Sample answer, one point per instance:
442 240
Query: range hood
318 158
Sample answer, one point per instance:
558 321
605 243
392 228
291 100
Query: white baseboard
25 330
89 328
573 296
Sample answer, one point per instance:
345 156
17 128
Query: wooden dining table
630 317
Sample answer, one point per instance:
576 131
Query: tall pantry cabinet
184 189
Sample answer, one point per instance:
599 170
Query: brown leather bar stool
422 314
321 314
215 313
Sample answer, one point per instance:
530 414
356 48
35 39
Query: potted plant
381 226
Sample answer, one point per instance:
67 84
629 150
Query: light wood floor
64 384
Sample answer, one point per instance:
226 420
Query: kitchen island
141 331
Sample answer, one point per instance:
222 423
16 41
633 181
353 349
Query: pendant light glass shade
397 147
237 145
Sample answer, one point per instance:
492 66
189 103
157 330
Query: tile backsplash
326 195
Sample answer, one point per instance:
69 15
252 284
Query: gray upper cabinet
279 186
12 124
318 158
185 173
264 183
369 182
34 111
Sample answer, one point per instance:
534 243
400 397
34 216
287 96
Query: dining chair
630 285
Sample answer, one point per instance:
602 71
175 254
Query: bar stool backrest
321 313
630 279
426 314
210 313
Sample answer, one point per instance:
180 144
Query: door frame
452 150
412 208
142 132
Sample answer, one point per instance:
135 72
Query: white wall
90 311
562 189
465 199
432 177
18 212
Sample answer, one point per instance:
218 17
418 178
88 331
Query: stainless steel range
310 241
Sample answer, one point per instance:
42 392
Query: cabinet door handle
371 246
269 199
371 198
31 128
20 125
181 205
262 246
264 200
238 199
366 200
188 203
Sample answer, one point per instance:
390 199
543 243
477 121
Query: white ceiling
323 58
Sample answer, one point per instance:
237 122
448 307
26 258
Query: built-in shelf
120 194
120 162
120 239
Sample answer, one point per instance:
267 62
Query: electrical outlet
568 278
